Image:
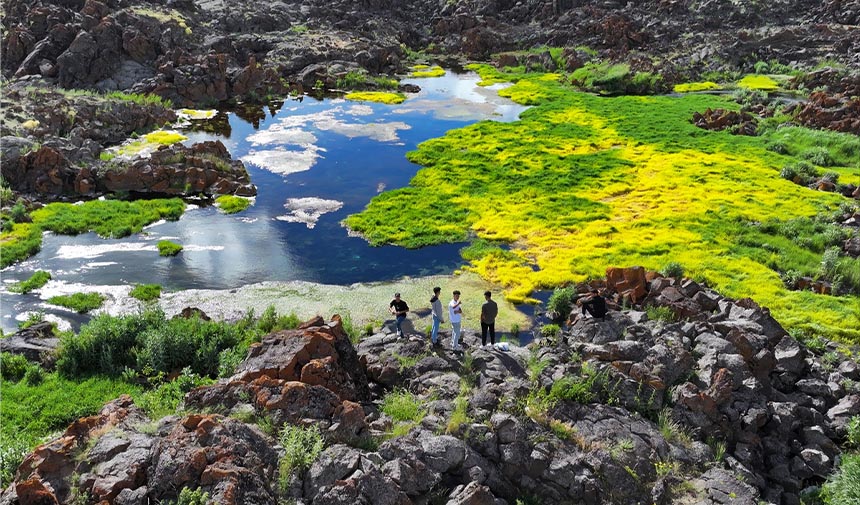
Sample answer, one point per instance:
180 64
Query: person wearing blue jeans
399 308
436 310
455 314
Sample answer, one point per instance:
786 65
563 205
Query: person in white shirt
455 314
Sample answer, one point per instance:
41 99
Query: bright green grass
29 413
230 204
581 183
108 218
79 302
376 96
36 281
146 292
168 248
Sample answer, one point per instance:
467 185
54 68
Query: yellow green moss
434 71
376 96
230 204
30 124
197 114
691 87
150 142
758 82
582 183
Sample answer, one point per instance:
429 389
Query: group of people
489 311
593 304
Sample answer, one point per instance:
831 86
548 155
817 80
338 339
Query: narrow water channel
314 162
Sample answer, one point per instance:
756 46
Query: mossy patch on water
197 114
376 96
79 302
168 248
108 218
581 183
424 71
692 87
758 82
230 204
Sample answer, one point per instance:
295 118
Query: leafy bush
673 269
13 366
12 453
146 342
561 302
659 313
616 80
819 156
165 398
302 446
18 213
146 292
844 486
550 331
36 281
230 359
79 302
34 375
189 497
168 248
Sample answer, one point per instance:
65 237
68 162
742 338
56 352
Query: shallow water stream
314 162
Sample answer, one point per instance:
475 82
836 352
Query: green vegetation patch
108 218
424 71
168 248
376 96
581 183
230 204
692 87
79 302
146 292
197 114
36 281
758 82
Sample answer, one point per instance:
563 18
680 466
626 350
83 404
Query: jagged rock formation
720 406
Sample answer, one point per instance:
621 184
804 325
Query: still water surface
314 162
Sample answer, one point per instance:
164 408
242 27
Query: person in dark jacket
594 304
399 308
489 311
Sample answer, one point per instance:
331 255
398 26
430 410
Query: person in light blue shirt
436 309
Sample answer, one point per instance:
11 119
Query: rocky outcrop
719 403
837 112
37 343
738 123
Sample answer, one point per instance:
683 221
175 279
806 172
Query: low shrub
853 432
191 497
550 331
302 446
146 292
561 302
660 313
13 366
36 281
819 156
403 406
165 398
673 269
168 248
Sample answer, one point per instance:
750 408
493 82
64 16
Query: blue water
350 152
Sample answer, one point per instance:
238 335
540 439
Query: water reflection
314 163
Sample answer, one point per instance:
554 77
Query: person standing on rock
455 314
489 311
399 308
436 310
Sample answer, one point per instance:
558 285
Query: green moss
690 87
79 302
230 204
146 292
376 96
36 281
423 71
150 142
168 248
581 183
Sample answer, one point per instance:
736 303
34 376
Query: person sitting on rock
399 308
594 304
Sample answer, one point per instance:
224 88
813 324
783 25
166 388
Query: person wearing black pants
595 305
489 311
